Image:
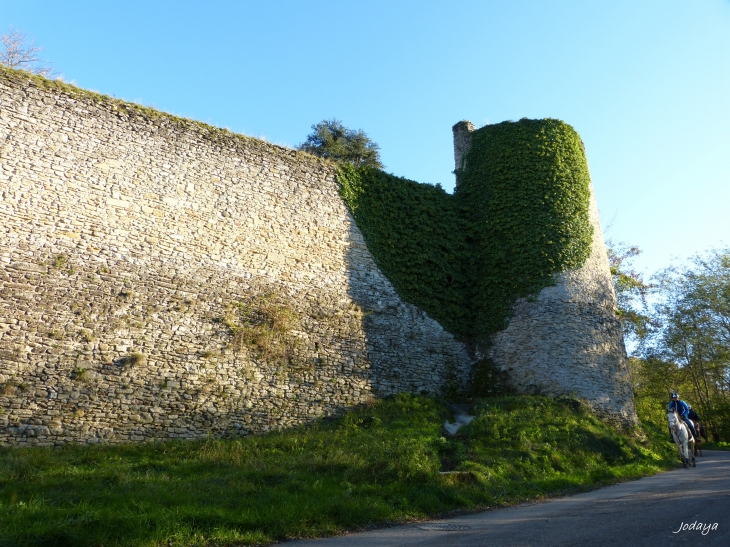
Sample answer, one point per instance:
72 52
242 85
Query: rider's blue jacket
680 406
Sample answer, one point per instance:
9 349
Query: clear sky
645 82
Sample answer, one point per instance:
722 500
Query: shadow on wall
407 350
173 237
104 350
130 354
195 353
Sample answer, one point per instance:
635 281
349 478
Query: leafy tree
331 139
652 380
17 52
631 290
693 332
655 378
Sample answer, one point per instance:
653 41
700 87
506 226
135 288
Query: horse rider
682 410
692 415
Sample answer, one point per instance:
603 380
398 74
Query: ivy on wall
525 194
415 235
519 216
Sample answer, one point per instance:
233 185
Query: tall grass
383 464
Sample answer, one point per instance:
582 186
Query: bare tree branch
18 53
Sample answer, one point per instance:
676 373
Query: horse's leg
685 437
698 439
682 450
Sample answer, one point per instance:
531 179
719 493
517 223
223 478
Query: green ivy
415 234
525 194
519 216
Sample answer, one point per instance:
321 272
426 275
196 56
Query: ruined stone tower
568 340
132 244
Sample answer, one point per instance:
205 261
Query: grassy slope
376 465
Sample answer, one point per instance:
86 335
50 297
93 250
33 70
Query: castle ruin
162 279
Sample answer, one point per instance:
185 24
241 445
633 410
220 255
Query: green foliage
330 139
693 336
80 374
631 290
539 442
416 237
59 261
525 192
721 445
376 465
518 218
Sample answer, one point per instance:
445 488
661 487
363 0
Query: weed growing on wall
59 261
264 325
518 218
80 374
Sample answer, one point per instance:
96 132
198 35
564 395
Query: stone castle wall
566 341
132 247
569 341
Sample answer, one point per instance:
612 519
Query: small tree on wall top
330 139
17 52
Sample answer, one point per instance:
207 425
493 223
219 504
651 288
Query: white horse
682 438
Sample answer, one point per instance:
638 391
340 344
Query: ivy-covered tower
543 301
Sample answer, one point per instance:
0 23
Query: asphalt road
648 512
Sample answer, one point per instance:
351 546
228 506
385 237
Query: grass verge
384 464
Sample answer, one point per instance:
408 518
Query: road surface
649 512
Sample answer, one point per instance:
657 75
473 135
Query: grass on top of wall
216 135
374 466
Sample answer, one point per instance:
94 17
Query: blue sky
646 84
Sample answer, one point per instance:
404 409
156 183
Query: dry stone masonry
160 278
163 279
567 341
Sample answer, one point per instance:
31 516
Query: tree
18 53
693 318
631 290
330 139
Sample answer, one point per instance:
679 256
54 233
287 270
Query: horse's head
672 417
